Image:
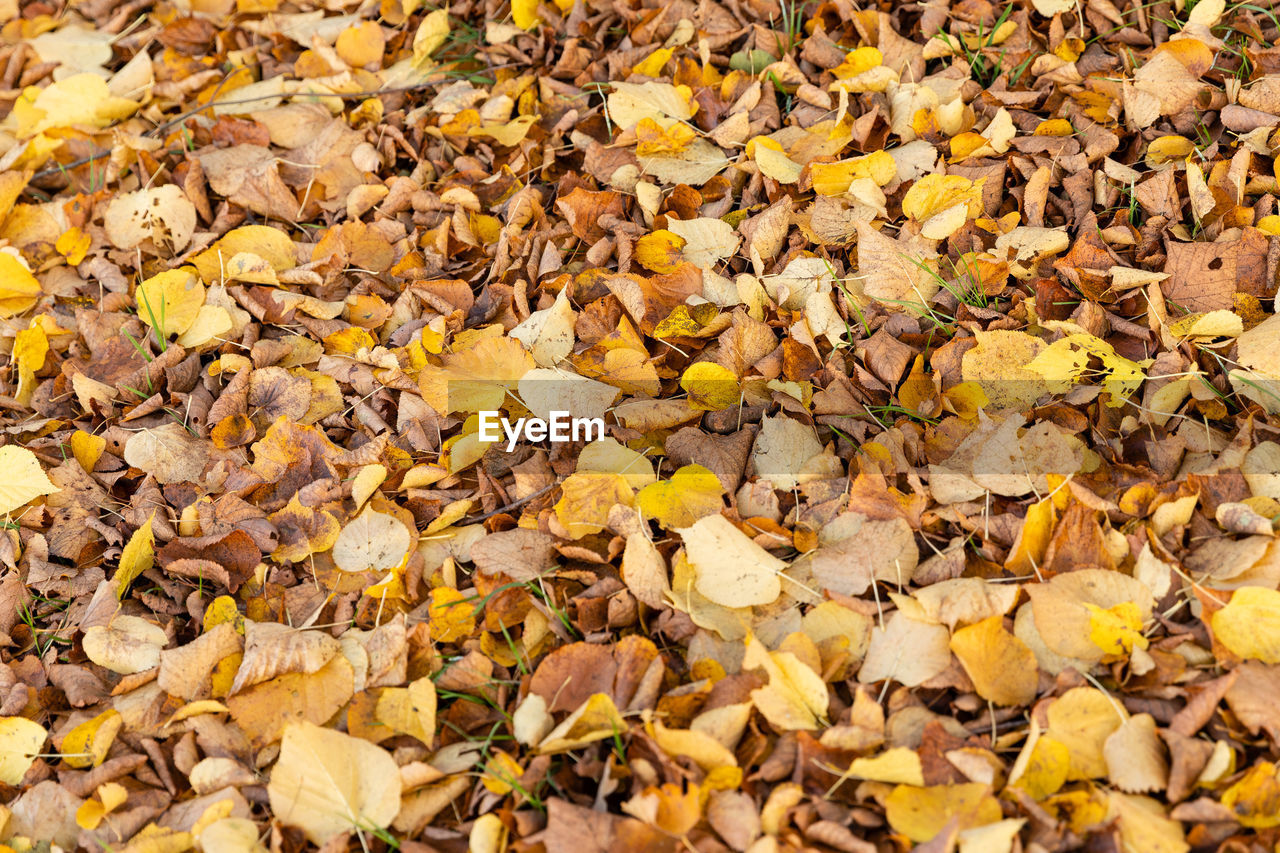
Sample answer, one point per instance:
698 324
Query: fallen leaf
20 742
1001 666
730 569
163 215
21 478
326 783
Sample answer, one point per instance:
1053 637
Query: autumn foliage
937 353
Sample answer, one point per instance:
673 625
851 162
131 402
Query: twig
476 519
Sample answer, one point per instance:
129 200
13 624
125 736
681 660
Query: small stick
476 519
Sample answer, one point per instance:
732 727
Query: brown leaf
271 649
520 554
574 829
1206 276
249 175
584 209
568 676
185 671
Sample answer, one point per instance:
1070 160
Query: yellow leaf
608 456
942 203
21 478
773 161
587 497
452 615
431 34
223 609
82 99
995 365
488 835
596 719
628 103
626 369
212 323
686 321
858 61
506 133
1116 630
30 346
360 45
109 797
169 302
477 378
922 813
87 744
159 839
1255 799
730 569
707 752
1167 148
1002 667
968 145
661 251
270 244
796 697
367 481
1081 720
1054 127
73 244
896 766
87 448
1045 768
651 65
20 742
139 555
326 782
1249 626
1033 539
1269 225
711 386
223 676
1061 364
835 178
19 289
249 267
1213 324
410 710
500 772
524 13
693 492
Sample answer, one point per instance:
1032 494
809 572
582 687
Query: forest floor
928 361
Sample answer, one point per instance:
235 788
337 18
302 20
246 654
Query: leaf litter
934 346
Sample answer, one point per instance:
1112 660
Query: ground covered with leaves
938 364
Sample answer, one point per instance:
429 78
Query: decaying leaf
921 477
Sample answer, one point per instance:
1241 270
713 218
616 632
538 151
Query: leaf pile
936 347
